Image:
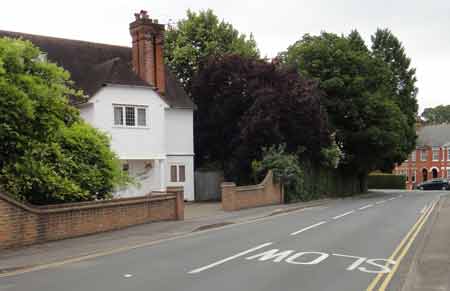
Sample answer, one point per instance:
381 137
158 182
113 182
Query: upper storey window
423 155
131 116
435 154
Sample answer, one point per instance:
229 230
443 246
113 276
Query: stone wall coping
44 209
257 186
250 187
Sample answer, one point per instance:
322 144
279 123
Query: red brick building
431 159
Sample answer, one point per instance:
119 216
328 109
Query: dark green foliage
320 181
285 167
245 104
437 115
199 36
387 47
369 126
386 181
47 154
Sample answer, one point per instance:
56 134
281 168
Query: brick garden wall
22 224
266 193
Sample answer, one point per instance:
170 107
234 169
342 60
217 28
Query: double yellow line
382 279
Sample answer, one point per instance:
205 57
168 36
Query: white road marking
423 209
380 202
311 258
354 265
390 199
309 227
343 214
366 206
128 275
229 258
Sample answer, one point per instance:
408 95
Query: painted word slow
373 266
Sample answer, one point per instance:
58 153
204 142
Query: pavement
430 267
361 243
198 216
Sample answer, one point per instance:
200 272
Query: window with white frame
435 154
423 155
413 156
413 176
177 173
448 173
448 154
130 116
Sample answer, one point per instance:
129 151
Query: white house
135 99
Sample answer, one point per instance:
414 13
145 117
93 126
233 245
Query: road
350 244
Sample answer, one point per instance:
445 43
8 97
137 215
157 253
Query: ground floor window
448 173
413 176
177 173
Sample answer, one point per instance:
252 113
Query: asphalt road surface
350 244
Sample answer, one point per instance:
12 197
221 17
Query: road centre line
390 199
195 271
421 219
344 214
309 227
380 202
366 206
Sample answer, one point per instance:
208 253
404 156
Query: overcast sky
423 26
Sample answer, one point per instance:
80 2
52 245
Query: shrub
47 153
386 181
285 167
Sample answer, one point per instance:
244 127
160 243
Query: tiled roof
93 65
434 135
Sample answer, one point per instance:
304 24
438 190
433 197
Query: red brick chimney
147 51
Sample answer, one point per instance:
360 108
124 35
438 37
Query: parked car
435 184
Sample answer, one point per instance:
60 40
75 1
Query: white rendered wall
188 185
87 112
180 147
132 143
180 129
147 179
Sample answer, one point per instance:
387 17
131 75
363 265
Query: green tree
47 153
369 126
387 47
437 115
199 36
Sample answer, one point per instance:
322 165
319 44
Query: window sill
131 127
177 183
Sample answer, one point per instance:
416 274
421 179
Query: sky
422 26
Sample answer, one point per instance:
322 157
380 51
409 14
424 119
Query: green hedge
386 181
320 182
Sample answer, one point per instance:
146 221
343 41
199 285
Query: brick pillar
179 204
228 196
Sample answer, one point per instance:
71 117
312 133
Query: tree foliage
387 47
245 104
200 36
437 115
369 126
47 153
